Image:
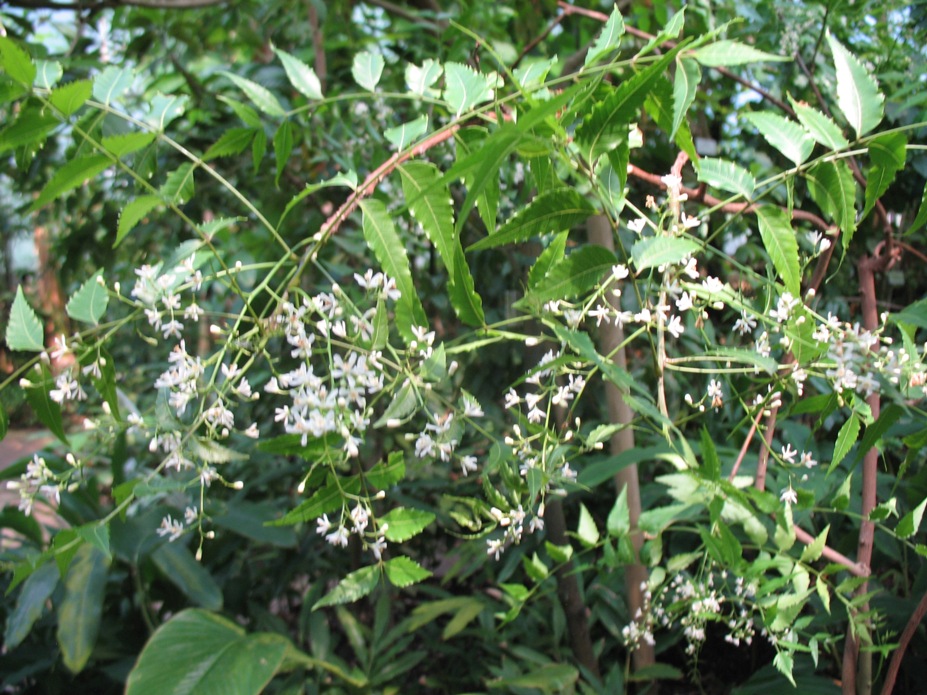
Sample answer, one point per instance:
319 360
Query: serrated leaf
260 96
552 254
660 106
462 291
230 143
420 80
670 30
403 524
532 75
401 408
301 76
70 97
258 149
832 187
127 143
30 127
112 83
353 587
790 138
89 303
367 69
619 518
575 275
887 154
248 115
24 329
846 438
685 86
727 176
82 607
821 127
404 135
550 212
283 148
911 522
47 73
586 529
179 186
728 52
858 93
69 177
781 245
653 252
16 62
813 550
389 250
608 39
823 590
164 109
465 87
132 214
404 571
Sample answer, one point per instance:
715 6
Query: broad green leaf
259 96
858 93
69 177
47 73
652 252
813 550
781 245
232 142
790 138
550 212
832 187
132 214
660 106
16 62
685 86
846 438
39 399
727 176
465 87
164 109
531 75
367 69
403 524
887 154
200 653
353 587
384 475
552 254
283 148
619 518
586 529
179 185
420 80
24 329
404 135
821 127
112 83
301 76
390 251
608 39
783 662
127 143
575 275
96 534
404 571
910 523
70 97
30 127
727 52
82 607
177 564
89 303
30 605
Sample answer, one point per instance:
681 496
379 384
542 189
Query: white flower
716 394
788 453
807 461
675 326
511 398
637 225
189 515
788 495
323 525
468 464
338 537
472 408
620 271
171 528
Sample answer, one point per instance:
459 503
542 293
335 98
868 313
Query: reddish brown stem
909 629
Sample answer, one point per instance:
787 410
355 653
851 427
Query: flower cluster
356 522
37 480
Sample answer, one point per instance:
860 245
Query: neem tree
598 365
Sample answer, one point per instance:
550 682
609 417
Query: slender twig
895 665
856 568
746 445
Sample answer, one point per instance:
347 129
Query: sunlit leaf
728 52
133 213
301 76
112 83
790 138
821 127
403 524
367 69
465 87
404 135
68 177
727 176
23 328
685 86
781 245
70 97
911 522
31 127
653 252
260 96
179 185
832 187
846 438
353 587
16 62
232 142
89 303
127 143
608 39
858 94
404 571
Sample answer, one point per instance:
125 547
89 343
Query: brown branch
746 445
535 41
909 629
856 568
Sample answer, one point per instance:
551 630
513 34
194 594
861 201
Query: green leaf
404 135
248 115
367 69
132 214
887 153
846 438
711 464
549 212
127 143
876 431
552 254
323 501
30 127
16 62
465 87
386 245
608 39
24 329
112 83
685 87
531 75
813 550
96 534
420 80
89 303
348 178
301 76
910 523
652 252
177 564
232 142
164 109
70 97
548 678
791 139
70 176
727 52
586 529
82 607
858 93
45 409
199 653
283 148
921 217
384 475
30 605
404 571
618 523
259 96
573 276
821 127
832 187
462 291
47 73
404 524
4 424
353 587
179 185
781 245
727 176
